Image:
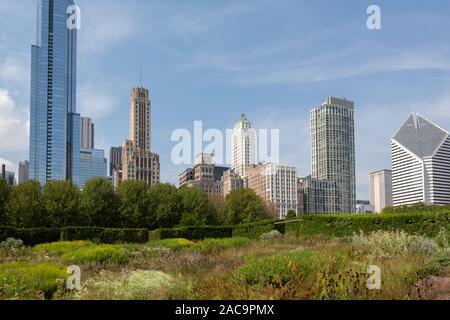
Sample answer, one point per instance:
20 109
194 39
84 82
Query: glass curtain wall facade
54 124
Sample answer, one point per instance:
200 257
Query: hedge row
35 236
255 230
31 237
192 233
346 225
104 235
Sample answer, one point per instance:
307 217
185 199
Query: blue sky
213 60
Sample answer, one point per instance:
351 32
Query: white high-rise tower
243 147
420 163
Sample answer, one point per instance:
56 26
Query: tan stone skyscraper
140 118
138 162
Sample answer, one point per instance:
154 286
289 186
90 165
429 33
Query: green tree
194 207
4 194
164 206
99 203
24 206
134 203
61 202
291 214
217 216
244 206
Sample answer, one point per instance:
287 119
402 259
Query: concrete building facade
333 149
138 162
243 146
320 196
86 133
420 163
231 181
380 189
276 185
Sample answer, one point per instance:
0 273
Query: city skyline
280 98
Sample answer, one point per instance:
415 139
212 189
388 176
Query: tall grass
20 280
101 254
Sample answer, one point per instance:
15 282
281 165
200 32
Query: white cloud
14 124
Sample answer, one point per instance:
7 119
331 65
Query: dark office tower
115 156
54 123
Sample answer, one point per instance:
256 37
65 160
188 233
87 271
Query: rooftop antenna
141 76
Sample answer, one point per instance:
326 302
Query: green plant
24 207
134 201
102 254
99 204
164 208
105 235
174 244
386 244
215 245
30 281
152 284
136 285
61 203
12 247
244 206
284 267
192 233
343 225
271 235
61 248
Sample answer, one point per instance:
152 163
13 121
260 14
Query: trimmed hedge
343 225
255 230
104 235
192 233
30 237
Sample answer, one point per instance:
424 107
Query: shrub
60 248
137 285
101 254
174 244
12 247
345 225
385 244
271 235
192 233
105 235
253 230
30 281
30 237
214 245
438 261
279 269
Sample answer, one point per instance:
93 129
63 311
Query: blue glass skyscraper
54 123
